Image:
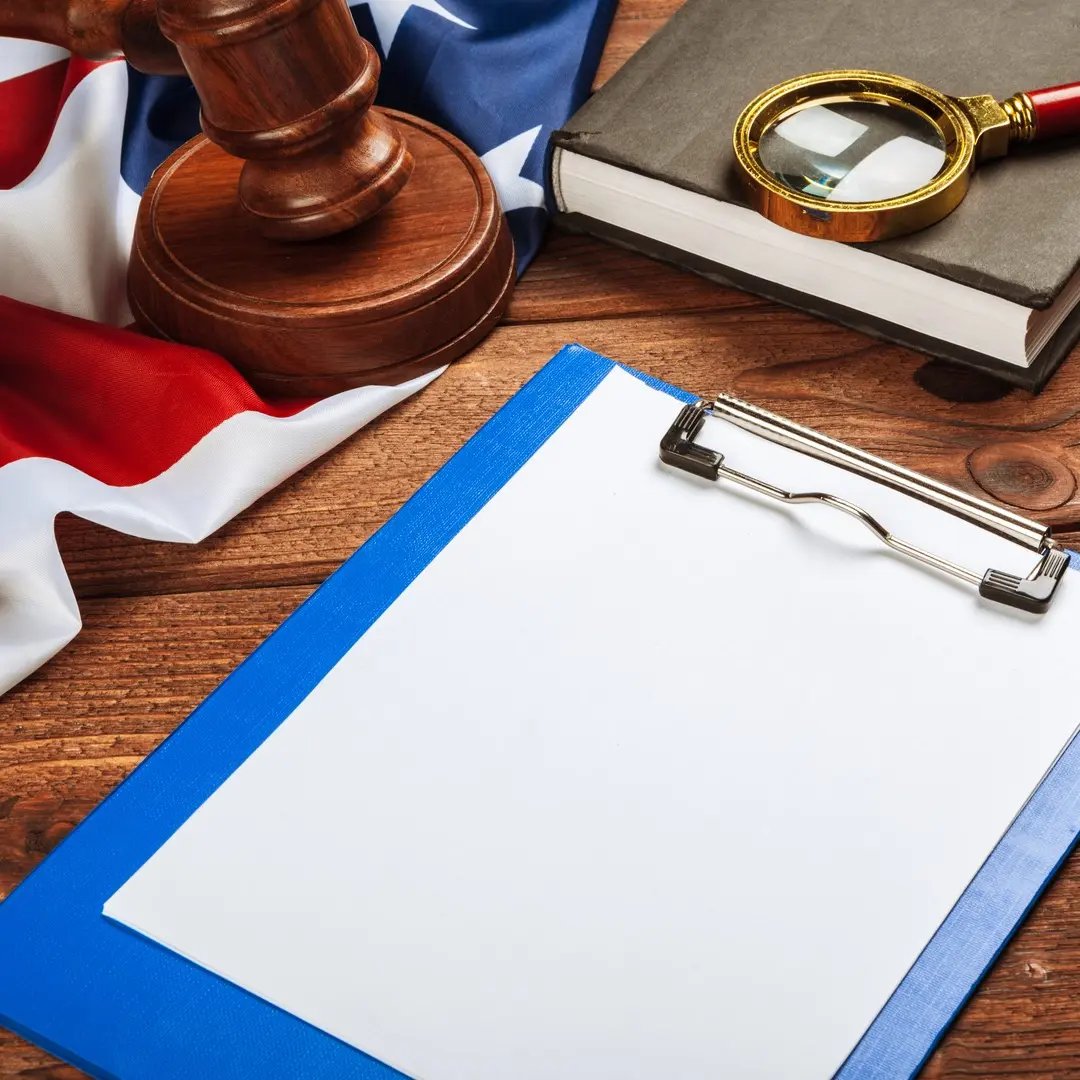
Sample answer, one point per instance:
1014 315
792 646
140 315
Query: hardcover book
648 163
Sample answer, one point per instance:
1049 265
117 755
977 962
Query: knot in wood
1022 474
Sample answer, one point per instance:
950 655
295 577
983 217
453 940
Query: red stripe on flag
30 105
117 405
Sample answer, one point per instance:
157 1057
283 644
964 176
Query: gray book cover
670 111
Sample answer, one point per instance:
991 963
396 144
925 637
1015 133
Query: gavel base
403 293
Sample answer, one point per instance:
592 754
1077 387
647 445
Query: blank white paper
642 777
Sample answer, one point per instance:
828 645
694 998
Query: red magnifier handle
1056 111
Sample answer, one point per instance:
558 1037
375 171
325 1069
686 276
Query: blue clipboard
118 1006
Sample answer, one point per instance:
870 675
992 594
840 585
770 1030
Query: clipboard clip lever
1033 593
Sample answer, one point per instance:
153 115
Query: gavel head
287 85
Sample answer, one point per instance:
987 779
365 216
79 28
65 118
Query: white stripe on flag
18 57
227 470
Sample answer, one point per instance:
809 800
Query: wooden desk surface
165 623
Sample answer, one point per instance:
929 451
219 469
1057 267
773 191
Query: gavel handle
95 29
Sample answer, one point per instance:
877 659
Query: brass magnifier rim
856 222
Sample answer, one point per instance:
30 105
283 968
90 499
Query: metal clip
678 448
1033 593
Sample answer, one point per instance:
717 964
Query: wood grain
164 623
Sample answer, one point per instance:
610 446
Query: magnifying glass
862 155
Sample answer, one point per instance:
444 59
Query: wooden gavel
294 151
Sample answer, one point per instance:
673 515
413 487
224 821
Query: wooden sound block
399 295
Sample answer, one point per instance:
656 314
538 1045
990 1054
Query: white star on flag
387 16
504 163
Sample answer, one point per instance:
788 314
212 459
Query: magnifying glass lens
853 151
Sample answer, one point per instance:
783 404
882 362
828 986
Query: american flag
169 442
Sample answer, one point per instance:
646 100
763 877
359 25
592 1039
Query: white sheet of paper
642 776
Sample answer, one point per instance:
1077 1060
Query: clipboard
121 1006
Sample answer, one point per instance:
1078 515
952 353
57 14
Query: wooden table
165 623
